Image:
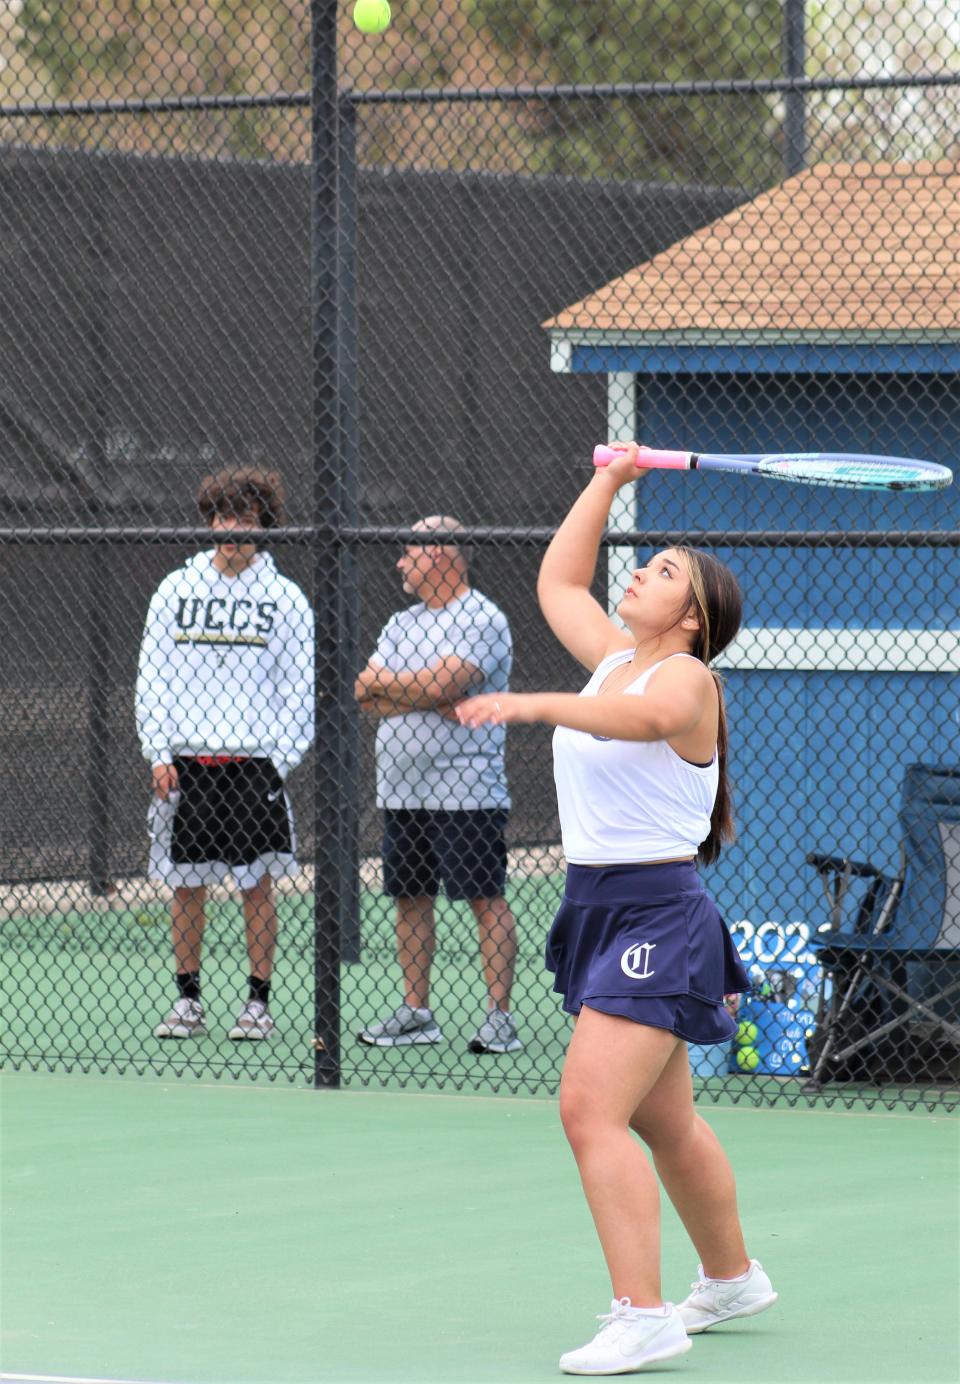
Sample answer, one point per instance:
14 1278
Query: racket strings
879 474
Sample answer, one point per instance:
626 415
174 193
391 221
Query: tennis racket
849 470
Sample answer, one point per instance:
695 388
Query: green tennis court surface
82 991
86 989
226 1234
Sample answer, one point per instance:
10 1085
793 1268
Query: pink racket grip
659 461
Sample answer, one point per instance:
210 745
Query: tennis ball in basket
371 16
746 1035
748 1059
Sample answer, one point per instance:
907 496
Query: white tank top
629 800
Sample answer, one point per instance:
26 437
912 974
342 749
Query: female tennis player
640 953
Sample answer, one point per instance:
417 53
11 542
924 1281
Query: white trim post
621 427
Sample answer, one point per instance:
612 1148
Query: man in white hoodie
225 710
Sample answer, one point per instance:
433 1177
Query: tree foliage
123 49
701 138
127 49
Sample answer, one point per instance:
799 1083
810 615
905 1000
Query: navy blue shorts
465 852
646 942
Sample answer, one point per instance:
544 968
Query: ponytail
722 828
716 594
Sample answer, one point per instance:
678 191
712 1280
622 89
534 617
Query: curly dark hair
242 490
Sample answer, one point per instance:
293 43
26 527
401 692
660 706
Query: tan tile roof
840 247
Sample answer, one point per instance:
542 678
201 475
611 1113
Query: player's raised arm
563 586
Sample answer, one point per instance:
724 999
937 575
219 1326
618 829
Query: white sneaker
497 1033
405 1025
185 1020
253 1023
716 1300
630 1339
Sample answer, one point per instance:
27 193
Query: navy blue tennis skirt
646 942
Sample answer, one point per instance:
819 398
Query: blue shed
823 315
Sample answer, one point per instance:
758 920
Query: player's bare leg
611 1065
693 1168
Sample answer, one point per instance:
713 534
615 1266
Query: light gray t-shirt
425 760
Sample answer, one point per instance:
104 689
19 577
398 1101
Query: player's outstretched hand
496 709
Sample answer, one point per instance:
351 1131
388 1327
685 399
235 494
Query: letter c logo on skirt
635 961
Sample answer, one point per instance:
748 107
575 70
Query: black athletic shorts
466 852
229 814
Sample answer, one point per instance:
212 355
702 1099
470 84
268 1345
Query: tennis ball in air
748 1059
746 1035
371 16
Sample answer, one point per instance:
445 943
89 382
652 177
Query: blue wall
817 757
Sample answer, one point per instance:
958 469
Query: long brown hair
719 605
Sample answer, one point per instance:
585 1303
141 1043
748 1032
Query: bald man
442 786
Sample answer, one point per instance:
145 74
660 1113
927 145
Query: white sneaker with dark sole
716 1300
403 1027
630 1339
185 1020
254 1023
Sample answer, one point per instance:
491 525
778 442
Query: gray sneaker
497 1033
185 1020
405 1025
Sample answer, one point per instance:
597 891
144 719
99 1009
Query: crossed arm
436 688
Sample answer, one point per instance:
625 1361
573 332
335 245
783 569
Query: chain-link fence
260 269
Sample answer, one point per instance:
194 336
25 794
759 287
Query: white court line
69 1379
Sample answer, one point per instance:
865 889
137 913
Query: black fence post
349 622
329 865
795 102
97 586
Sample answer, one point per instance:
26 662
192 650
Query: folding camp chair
891 951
